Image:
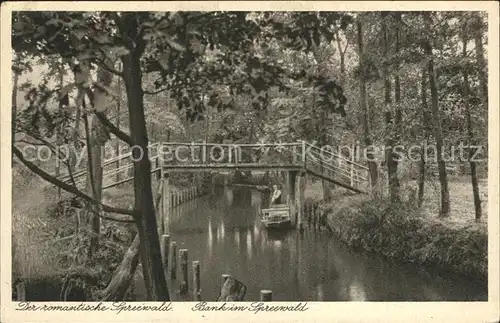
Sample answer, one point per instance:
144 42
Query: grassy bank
405 232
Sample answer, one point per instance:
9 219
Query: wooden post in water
266 295
309 219
183 255
318 224
159 173
314 216
291 179
165 198
196 281
165 246
160 214
300 202
173 260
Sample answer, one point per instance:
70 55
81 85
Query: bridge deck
240 166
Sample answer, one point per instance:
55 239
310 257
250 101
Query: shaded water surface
223 232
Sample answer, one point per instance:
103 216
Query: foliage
201 59
402 232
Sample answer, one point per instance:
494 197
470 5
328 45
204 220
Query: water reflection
210 237
249 245
311 266
237 237
256 199
319 293
229 195
356 292
276 245
222 229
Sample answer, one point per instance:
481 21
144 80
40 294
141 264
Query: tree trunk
154 277
438 133
470 132
483 68
15 86
342 57
61 129
388 113
95 146
94 181
319 122
265 177
395 185
75 151
425 121
327 186
232 290
372 165
118 108
123 275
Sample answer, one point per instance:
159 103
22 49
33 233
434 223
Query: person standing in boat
276 196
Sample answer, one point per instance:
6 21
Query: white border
319 311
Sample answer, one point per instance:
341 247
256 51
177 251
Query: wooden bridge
297 158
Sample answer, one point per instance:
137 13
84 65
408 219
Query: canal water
223 232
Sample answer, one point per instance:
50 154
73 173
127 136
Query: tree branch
156 92
108 124
105 66
52 148
113 129
110 218
68 188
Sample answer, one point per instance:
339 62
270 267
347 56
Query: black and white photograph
253 156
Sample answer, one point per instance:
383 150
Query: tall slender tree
438 132
364 102
470 130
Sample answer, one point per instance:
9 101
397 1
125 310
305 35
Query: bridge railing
336 167
115 169
227 155
321 162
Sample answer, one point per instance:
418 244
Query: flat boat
276 217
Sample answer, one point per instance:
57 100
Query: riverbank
405 232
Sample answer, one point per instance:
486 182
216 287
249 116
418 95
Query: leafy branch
68 188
